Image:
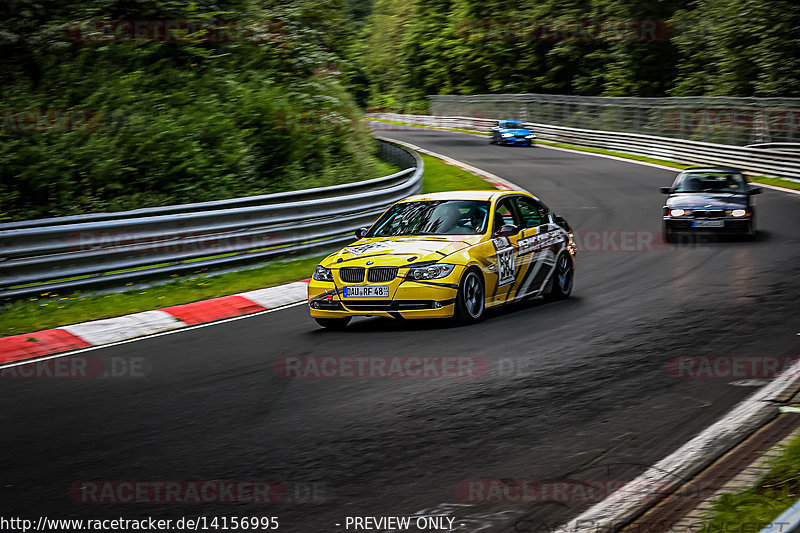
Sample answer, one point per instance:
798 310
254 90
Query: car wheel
470 300
493 139
752 230
333 323
561 282
667 234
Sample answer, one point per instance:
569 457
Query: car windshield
728 182
515 125
439 217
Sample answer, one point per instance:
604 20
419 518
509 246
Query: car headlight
736 212
507 134
323 274
430 272
530 136
679 212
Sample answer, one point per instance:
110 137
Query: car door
535 245
506 247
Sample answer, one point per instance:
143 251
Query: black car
710 200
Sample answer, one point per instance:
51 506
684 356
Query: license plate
708 224
372 291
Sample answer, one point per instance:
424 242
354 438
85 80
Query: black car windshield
515 125
727 182
433 217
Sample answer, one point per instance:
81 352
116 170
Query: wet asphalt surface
578 392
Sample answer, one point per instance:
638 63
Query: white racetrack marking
170 332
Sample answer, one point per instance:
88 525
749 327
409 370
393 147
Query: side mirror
561 221
755 190
506 230
666 190
360 232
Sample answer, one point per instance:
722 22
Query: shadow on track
378 324
687 240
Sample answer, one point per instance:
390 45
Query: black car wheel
752 230
667 233
470 300
561 281
333 323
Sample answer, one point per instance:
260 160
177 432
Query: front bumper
731 225
409 299
516 142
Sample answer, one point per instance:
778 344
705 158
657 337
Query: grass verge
778 182
49 310
759 505
642 158
441 176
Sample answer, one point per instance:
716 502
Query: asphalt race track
579 390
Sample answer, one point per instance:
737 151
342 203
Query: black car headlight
323 274
738 213
530 136
507 135
430 272
679 212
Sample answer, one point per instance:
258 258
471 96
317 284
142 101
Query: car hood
515 132
399 251
696 200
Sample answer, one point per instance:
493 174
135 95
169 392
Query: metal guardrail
788 522
717 119
751 159
111 249
784 147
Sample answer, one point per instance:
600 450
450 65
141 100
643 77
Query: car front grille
388 305
381 274
351 274
708 213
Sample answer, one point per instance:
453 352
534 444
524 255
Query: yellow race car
446 255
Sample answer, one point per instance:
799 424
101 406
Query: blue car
710 200
511 132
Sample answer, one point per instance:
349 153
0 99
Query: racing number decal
506 267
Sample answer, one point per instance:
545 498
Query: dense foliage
587 47
163 121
